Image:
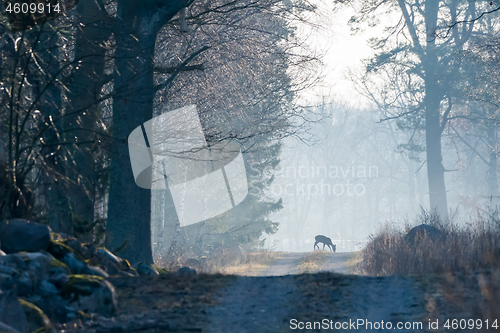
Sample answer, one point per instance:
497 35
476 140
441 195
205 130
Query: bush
465 248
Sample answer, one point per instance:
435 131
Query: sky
342 51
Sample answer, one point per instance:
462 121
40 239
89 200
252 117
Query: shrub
465 248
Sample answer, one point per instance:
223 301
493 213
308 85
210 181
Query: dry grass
312 262
460 274
239 263
465 249
246 264
224 261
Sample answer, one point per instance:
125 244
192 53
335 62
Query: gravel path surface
317 302
254 304
287 263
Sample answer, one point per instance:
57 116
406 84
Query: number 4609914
470 324
32 8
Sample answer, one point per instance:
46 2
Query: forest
138 139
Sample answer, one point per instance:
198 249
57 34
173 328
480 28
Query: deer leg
316 244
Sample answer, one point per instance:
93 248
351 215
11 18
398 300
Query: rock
11 312
146 269
6 281
26 283
37 262
54 307
13 260
90 294
46 288
58 267
81 250
160 270
110 262
71 259
37 320
59 280
4 328
74 265
38 265
417 235
18 235
186 271
97 271
9 271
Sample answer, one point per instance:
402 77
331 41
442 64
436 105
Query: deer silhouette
326 241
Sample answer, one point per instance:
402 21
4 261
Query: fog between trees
74 88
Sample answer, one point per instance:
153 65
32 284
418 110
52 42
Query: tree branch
180 68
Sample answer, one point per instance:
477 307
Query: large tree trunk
435 169
432 103
82 108
129 209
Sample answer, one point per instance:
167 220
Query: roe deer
326 241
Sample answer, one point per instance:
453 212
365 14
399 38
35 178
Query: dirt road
279 302
319 302
289 262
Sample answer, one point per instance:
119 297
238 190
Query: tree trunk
432 103
435 169
129 209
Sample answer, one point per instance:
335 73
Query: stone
58 249
9 271
26 283
187 271
97 271
37 320
37 262
58 267
90 294
46 288
4 328
111 263
86 252
146 269
18 235
53 306
74 265
419 234
11 312
14 260
59 279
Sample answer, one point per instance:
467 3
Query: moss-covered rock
56 265
146 269
18 235
38 322
58 249
90 294
160 270
111 263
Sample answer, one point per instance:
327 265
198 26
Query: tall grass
465 248
224 261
